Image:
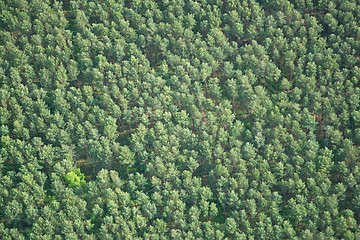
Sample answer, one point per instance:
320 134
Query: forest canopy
179 119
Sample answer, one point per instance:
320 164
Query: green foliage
189 119
75 178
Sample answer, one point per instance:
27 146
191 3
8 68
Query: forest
179 119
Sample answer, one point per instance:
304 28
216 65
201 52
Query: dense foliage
179 119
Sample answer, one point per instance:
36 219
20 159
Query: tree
126 157
75 178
